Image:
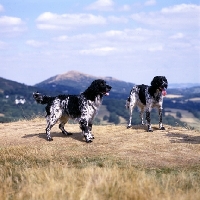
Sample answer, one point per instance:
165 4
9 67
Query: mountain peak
74 81
72 75
78 77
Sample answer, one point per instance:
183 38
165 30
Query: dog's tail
42 99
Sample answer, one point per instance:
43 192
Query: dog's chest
93 106
145 98
155 100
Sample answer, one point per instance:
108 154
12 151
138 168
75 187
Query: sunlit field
119 164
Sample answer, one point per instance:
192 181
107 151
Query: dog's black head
160 83
97 87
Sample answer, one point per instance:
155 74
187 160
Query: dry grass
120 164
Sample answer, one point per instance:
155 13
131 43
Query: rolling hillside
181 105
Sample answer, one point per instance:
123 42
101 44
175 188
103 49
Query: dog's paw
162 128
129 126
88 138
88 141
49 139
92 136
149 130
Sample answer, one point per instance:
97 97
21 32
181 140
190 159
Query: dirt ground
173 147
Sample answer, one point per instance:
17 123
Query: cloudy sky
131 40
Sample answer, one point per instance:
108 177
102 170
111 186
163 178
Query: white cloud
7 21
11 24
184 16
150 3
113 42
114 19
125 8
1 8
35 43
54 21
102 51
61 38
2 45
177 36
155 48
182 8
103 5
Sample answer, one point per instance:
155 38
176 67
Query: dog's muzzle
163 90
108 88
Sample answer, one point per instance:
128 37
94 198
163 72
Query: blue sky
128 40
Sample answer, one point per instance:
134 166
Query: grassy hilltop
120 163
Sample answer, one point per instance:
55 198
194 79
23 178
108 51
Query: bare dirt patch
175 146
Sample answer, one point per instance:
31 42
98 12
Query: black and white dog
84 107
147 97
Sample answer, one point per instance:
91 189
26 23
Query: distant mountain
9 87
74 82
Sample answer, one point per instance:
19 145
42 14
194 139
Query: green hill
17 101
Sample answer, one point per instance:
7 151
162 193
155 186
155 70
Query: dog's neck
97 101
91 95
154 92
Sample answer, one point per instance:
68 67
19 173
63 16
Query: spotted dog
83 107
147 97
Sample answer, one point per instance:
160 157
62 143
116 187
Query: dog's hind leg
141 115
63 121
130 104
148 118
161 127
54 113
51 121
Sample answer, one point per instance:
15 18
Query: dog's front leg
141 115
148 118
131 107
50 124
90 129
85 128
161 127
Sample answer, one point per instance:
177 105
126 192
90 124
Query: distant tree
97 121
178 114
105 117
114 118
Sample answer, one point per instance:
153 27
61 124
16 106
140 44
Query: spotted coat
147 97
83 107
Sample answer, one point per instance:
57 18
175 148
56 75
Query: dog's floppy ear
165 82
92 90
155 81
98 85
